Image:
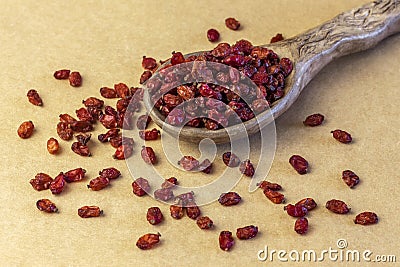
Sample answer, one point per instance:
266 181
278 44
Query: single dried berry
342 136
108 92
66 118
124 151
140 186
74 175
41 181
226 241
366 218
58 184
350 178
308 203
149 63
154 215
108 121
268 185
83 114
98 183
278 37
61 74
296 210
46 205
185 198
205 166
112 133
212 35
75 79
93 102
177 58
301 225
246 167
314 120
176 211
149 134
230 159
164 194
229 199
34 98
142 122
52 146
299 164
25 130
89 211
80 149
192 210
169 183
274 196
83 138
148 241
145 76
188 163
122 90
148 155
64 131
110 173
81 126
337 206
247 232
232 23
204 222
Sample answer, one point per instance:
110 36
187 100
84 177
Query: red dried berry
204 222
34 98
275 197
337 206
81 126
164 194
83 138
192 210
149 63
66 118
108 92
177 58
232 24
145 76
75 79
122 90
148 155
41 181
278 37
342 136
89 211
98 183
185 198
149 134
229 199
169 183
74 175
80 149
108 135
46 205
148 241
123 152
154 215
189 163
84 115
308 203
350 178
226 241
205 166
58 184
110 173
64 131
52 146
176 211
301 225
140 186
230 159
247 232
247 168
299 164
366 218
25 130
142 122
93 102
61 74
268 185
296 210
314 120
212 35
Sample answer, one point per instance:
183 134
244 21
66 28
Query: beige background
105 41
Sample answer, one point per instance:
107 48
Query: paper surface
105 41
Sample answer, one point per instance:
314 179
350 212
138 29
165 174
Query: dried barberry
75 79
188 163
108 121
61 74
212 35
34 98
52 146
308 203
154 215
314 120
247 168
66 118
177 58
230 159
145 76
226 241
142 122
148 155
301 225
148 241
64 131
247 232
296 210
268 185
110 173
366 218
41 181
229 199
108 135
46 205
25 130
342 136
205 166
164 194
278 37
350 178
337 206
74 175
58 184
89 211
108 92
80 149
204 222
169 183
149 134
232 23
81 126
299 164
122 90
83 138
274 196
149 63
176 211
123 152
93 102
192 210
98 183
140 186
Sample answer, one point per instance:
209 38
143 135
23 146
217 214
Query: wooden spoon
352 31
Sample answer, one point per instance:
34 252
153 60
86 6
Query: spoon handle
352 31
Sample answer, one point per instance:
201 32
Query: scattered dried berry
145 76
177 58
108 92
34 98
247 232
81 149
81 126
112 133
232 23
296 210
229 199
212 35
66 118
122 90
274 196
148 155
366 218
205 166
93 102
61 74
230 159
268 185
58 184
342 136
53 146
41 181
123 152
278 37
189 163
226 241
75 79
98 183
110 173
149 63
350 178
46 205
154 215
140 186
74 175
142 122
176 211
164 194
299 164
192 210
149 134
308 203
246 167
83 138
89 211
148 241
64 131
337 206
301 225
314 120
169 183
25 130
204 222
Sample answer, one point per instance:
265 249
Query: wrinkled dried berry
212 35
58 184
34 98
232 23
108 92
64 131
192 210
84 115
25 130
226 241
140 186
154 215
176 211
268 185
80 149
350 178
246 167
337 206
108 135
149 134
52 146
366 218
148 155
75 79
229 199
148 241
301 225
274 196
142 122
46 205
61 74
74 175
83 138
204 222
98 183
169 183
89 211
247 232
149 63
122 90
124 151
296 210
230 159
66 118
145 76
308 203
81 126
205 166
177 58
278 37
188 163
342 136
163 194
93 102
299 164
314 120
41 181
110 173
